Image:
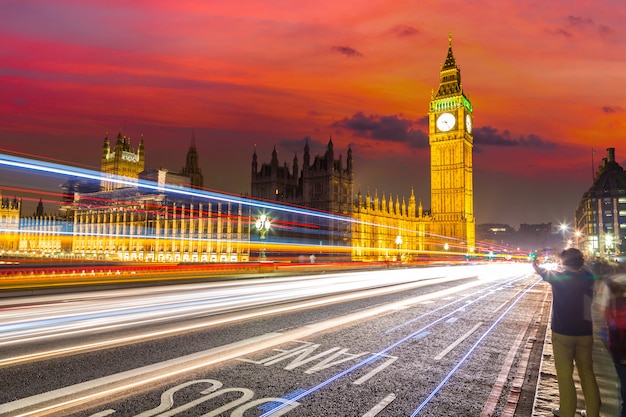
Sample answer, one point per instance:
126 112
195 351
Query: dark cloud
490 136
404 30
605 30
561 32
579 21
347 51
385 128
611 109
586 24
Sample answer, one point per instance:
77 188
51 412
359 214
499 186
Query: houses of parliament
119 219
381 224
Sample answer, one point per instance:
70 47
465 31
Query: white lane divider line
376 370
457 342
103 413
380 406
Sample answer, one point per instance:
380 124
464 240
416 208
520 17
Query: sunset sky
547 80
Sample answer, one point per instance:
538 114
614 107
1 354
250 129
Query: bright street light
263 225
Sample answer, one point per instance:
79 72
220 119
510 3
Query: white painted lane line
380 406
103 413
457 342
376 370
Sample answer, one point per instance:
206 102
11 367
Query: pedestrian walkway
547 396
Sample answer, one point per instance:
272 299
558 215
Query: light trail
471 350
127 380
307 227
330 288
380 354
65 170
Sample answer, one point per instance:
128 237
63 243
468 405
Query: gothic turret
307 155
192 165
255 163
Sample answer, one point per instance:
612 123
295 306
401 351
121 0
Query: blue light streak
470 351
49 167
376 356
414 319
44 167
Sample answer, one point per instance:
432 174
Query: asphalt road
431 342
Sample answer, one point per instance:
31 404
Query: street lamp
608 242
399 245
563 227
263 225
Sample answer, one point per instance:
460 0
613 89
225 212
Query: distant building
600 220
163 177
497 234
192 166
121 161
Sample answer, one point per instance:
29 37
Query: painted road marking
457 342
380 406
376 370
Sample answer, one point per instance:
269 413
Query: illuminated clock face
445 122
468 123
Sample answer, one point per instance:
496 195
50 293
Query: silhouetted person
572 331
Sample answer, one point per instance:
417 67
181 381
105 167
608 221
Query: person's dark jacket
572 294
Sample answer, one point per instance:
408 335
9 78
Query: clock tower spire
451 141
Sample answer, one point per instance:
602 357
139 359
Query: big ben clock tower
451 178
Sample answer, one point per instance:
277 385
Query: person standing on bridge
611 299
572 331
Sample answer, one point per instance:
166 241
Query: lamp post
263 225
399 245
577 235
608 242
563 227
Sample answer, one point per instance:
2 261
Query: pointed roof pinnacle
450 61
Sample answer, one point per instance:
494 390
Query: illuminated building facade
450 122
149 222
10 213
128 225
600 220
136 224
385 230
45 235
120 161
